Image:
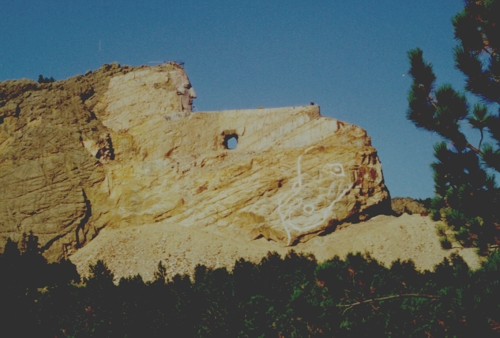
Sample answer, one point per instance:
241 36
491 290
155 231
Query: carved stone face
184 89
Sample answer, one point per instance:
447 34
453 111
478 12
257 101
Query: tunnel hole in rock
230 141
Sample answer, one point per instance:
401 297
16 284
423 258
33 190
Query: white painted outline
294 202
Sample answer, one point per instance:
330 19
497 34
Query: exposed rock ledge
133 250
121 148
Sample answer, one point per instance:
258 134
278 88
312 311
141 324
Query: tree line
294 296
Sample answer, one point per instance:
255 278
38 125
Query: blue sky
349 57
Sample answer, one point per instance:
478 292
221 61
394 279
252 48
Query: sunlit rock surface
120 148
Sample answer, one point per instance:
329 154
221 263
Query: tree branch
404 295
467 144
474 149
429 99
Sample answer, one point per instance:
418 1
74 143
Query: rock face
121 148
44 170
401 205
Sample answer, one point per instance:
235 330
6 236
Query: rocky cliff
120 148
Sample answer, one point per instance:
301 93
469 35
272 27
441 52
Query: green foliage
42 79
101 276
444 240
466 193
23 273
292 296
426 202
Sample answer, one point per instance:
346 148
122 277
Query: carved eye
337 169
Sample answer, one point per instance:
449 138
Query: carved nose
192 93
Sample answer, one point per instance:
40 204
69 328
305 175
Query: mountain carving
120 148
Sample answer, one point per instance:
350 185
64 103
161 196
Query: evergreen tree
101 277
42 79
464 174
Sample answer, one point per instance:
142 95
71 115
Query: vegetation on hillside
278 297
467 196
42 79
296 296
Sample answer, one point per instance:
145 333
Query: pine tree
42 79
464 174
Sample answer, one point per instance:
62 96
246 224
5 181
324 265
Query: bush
445 242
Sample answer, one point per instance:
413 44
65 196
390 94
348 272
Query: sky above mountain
349 57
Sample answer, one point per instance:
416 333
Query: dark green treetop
464 174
